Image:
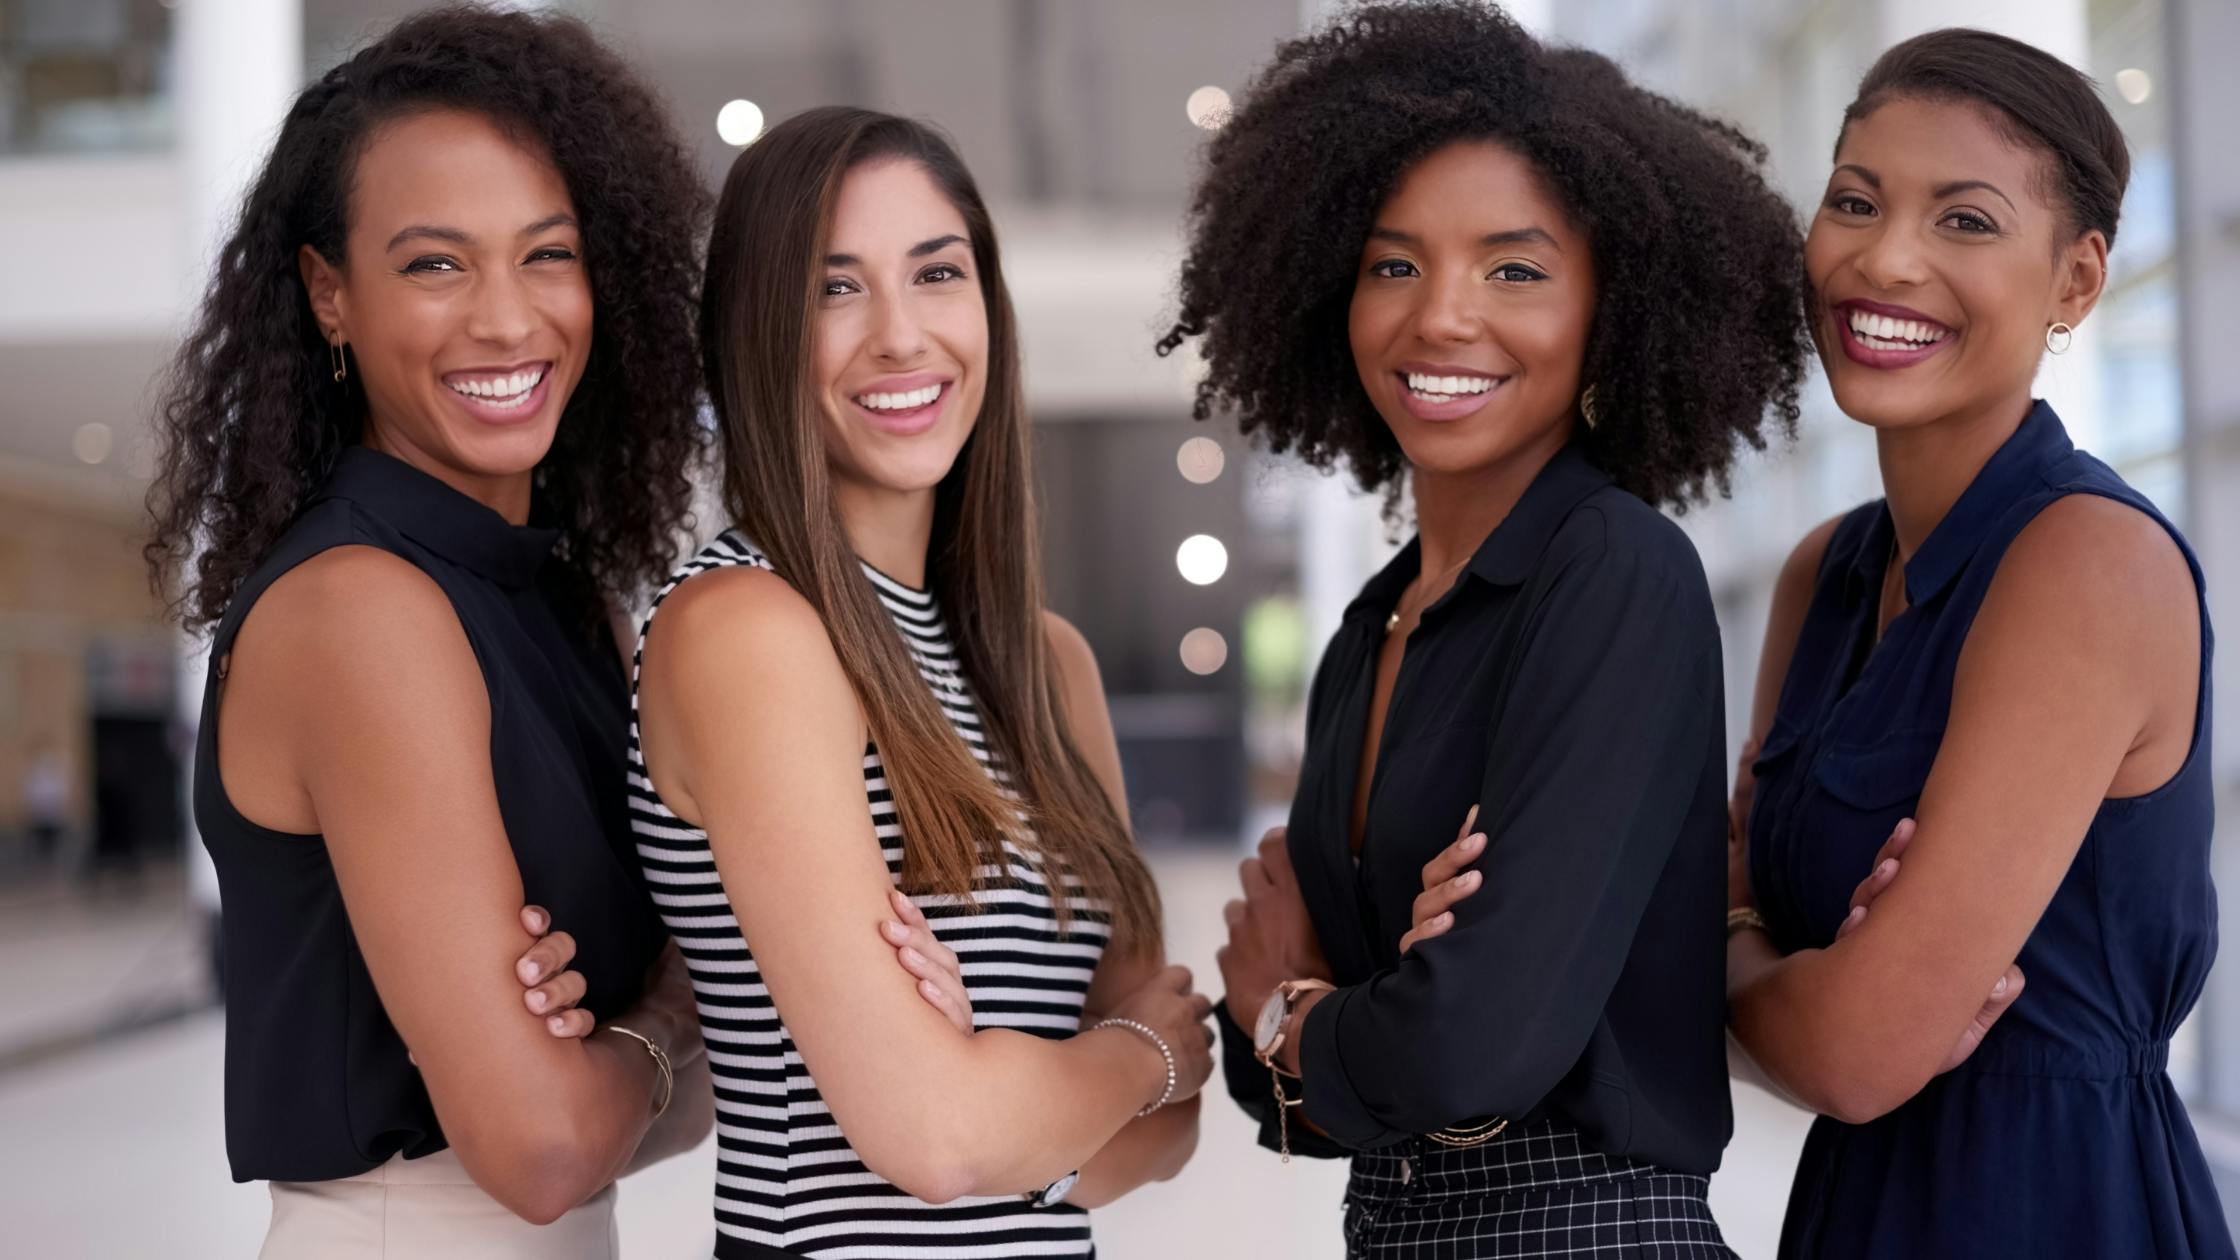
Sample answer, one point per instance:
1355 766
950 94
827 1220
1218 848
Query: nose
1892 258
896 335
502 313
1445 311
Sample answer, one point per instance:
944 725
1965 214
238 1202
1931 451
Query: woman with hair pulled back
861 739
432 426
1980 744
1497 280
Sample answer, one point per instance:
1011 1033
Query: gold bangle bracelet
667 1077
1745 917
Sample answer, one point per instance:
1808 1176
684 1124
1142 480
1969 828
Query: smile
1881 332
1443 389
908 400
502 392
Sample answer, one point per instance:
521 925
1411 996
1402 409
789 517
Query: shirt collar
445 521
1508 554
2013 469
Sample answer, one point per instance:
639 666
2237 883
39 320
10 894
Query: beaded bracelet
1142 1030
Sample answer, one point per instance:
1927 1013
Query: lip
1453 409
527 409
904 423
1861 353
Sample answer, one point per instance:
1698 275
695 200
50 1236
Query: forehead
1472 187
452 168
1914 140
887 206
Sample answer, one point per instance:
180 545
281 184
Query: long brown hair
982 564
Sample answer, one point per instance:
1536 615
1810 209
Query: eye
553 253
940 273
838 286
1517 273
1850 203
1393 269
428 264
1971 223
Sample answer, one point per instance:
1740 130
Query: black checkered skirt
1536 1190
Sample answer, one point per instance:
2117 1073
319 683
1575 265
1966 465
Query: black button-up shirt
1570 685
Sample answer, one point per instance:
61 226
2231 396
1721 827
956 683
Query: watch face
1055 1193
1270 1024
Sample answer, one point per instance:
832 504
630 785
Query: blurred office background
1206 574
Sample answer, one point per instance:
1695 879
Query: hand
1170 1007
940 977
2003 993
1739 894
1271 939
1443 886
553 990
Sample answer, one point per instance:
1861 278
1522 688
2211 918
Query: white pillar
240 63
2071 381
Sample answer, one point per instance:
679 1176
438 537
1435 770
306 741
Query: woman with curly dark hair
434 422
1536 299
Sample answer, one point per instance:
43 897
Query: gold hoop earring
2059 337
341 365
1587 409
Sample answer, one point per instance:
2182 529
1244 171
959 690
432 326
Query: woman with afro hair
433 424
1501 284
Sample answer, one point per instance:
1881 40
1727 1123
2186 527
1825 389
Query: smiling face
1471 310
901 335
1938 263
462 295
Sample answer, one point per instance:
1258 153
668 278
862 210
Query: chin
502 452
1888 404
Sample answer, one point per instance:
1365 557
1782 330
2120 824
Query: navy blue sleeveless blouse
2062 1135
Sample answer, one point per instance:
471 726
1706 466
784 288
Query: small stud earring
1587 409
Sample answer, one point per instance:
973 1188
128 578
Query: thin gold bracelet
1745 917
661 1066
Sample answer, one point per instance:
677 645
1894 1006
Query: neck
1455 511
1926 467
507 494
889 529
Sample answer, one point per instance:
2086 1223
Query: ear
2080 277
323 281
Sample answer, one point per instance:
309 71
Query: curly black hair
1699 328
252 420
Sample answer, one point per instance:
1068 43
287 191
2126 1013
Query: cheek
834 342
573 313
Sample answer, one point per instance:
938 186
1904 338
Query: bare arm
768 760
1857 1028
1154 1147
354 696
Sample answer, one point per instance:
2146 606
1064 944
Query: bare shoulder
354 611
1802 568
1069 648
2087 549
708 620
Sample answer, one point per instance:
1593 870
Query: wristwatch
1053 1194
1267 1031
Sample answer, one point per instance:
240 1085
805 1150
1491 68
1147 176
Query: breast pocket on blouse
1879 775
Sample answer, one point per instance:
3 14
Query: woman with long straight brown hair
859 733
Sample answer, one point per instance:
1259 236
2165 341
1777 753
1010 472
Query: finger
1469 822
1851 922
545 958
1200 1005
1879 878
535 920
1233 913
1900 836
571 1024
2003 993
1176 978
1436 925
1253 874
1448 862
557 994
1442 897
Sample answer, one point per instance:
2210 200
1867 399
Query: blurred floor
118 1150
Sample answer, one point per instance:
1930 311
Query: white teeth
909 400
1881 332
1445 388
503 391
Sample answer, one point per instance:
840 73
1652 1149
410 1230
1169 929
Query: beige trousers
426 1209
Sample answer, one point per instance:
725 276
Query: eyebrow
1940 192
919 250
1514 236
454 236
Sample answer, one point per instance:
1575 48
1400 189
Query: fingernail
928 988
1888 868
1445 917
530 971
537 921
895 931
1999 988
912 956
1857 913
1468 879
1471 842
538 1001
555 1023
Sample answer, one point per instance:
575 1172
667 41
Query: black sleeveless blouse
318 1084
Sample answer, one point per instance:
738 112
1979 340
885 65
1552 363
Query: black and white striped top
786 1177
